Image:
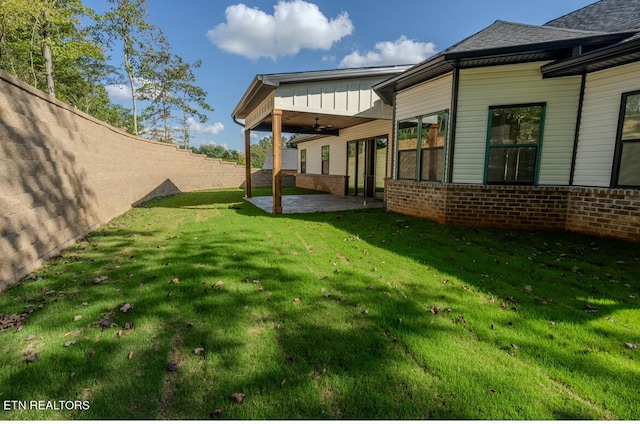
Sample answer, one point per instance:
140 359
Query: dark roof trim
446 61
608 57
544 47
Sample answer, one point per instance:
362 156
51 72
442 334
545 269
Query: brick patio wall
334 184
596 211
63 173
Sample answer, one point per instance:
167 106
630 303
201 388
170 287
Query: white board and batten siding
429 97
347 98
480 88
338 146
599 123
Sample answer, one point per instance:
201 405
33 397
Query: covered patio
316 102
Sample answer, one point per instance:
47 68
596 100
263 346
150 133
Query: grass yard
360 314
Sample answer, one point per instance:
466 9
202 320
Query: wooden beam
247 166
276 130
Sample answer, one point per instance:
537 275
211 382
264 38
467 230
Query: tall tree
174 98
127 23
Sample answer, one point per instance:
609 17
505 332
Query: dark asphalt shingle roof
604 15
508 34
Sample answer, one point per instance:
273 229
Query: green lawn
360 314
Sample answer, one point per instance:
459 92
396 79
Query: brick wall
531 208
420 199
608 212
334 184
596 211
63 173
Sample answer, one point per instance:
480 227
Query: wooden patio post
276 129
247 166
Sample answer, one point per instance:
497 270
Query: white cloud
295 25
118 92
198 128
400 52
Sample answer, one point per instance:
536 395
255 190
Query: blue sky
237 40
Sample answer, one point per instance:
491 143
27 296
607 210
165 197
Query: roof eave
258 90
605 58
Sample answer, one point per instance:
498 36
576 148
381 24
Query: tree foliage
43 43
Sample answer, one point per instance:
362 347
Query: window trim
419 148
303 161
322 160
538 145
617 156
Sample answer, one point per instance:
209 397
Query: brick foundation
334 184
597 211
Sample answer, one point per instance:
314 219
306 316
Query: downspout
576 136
452 123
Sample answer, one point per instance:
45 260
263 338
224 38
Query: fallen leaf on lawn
492 391
631 345
67 334
33 357
296 300
77 318
119 333
69 343
125 307
215 413
175 281
493 327
514 346
238 398
172 366
217 285
198 350
528 289
128 326
590 309
99 280
30 337
131 355
435 309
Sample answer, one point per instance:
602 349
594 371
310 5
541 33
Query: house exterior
334 106
520 126
523 126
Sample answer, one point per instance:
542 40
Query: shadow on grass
355 344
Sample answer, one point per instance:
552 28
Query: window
513 145
420 147
325 159
303 161
626 171
407 145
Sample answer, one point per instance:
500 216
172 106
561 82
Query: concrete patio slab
307 203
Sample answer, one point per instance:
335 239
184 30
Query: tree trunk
46 54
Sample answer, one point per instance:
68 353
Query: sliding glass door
366 166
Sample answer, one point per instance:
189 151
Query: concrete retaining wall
63 173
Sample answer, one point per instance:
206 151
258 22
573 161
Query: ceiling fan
318 128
